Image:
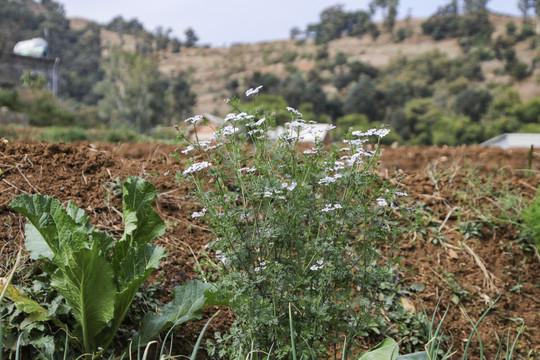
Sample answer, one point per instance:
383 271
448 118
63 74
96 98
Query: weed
301 228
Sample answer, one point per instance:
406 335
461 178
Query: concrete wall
13 66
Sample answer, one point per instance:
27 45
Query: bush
531 218
58 134
293 231
473 102
10 99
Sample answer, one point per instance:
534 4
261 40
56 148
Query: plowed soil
465 185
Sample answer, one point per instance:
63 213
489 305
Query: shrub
473 102
58 134
297 234
531 218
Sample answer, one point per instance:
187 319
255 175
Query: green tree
181 98
473 102
132 91
191 37
389 7
362 98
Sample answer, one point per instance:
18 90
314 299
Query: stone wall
13 66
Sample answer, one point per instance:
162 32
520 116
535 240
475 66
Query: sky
224 22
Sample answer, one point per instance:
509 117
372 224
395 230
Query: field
468 251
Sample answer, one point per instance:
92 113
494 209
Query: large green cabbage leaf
97 276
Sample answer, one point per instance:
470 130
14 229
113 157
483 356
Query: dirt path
458 185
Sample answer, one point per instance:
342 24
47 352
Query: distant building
29 55
514 140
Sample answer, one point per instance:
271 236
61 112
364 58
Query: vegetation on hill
464 93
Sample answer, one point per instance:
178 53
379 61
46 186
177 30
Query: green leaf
420 355
141 223
189 301
388 349
24 303
39 210
134 270
85 280
36 244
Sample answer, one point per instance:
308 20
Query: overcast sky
224 22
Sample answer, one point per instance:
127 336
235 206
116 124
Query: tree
181 98
524 6
295 33
473 102
132 91
390 9
362 98
191 37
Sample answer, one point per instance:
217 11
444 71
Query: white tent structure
514 140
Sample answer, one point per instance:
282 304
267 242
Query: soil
457 184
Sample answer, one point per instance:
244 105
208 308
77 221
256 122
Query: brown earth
457 184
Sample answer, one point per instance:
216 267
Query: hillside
211 68
454 78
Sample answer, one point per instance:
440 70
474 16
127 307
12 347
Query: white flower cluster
329 179
399 193
232 117
197 167
377 132
256 123
195 119
198 214
204 144
271 192
294 111
253 91
188 149
310 152
330 207
356 142
262 266
290 186
221 257
382 202
247 169
318 266
226 131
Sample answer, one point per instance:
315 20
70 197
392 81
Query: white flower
329 179
357 142
247 169
330 207
188 149
257 123
198 214
377 132
312 151
228 130
398 193
253 91
196 167
381 202
290 186
262 266
319 266
232 117
256 131
294 111
193 120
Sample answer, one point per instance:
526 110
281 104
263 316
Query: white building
514 140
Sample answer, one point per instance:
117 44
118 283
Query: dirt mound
462 253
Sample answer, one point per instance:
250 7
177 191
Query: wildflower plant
314 229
